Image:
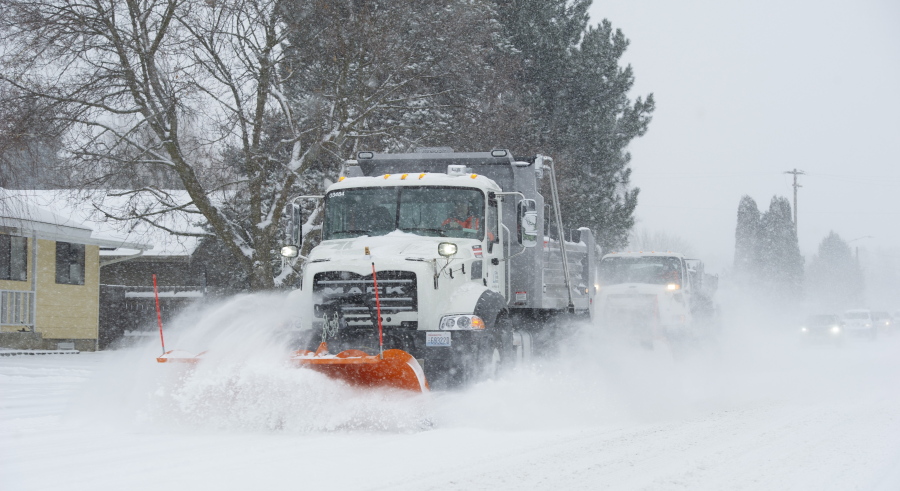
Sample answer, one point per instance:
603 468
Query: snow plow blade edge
394 368
176 356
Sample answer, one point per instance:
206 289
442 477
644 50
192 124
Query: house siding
67 312
63 313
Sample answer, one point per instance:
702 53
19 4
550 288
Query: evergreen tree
403 74
834 278
780 262
600 121
544 32
747 242
581 114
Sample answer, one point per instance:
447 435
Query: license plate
437 339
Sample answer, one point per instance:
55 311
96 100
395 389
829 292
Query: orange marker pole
158 315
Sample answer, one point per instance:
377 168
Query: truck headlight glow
461 323
673 286
447 249
290 251
835 330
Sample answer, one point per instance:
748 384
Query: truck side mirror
527 223
294 231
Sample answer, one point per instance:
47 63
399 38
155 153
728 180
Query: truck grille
354 295
632 300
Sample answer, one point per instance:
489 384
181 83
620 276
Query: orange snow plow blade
394 368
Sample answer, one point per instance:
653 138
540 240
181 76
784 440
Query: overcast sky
748 90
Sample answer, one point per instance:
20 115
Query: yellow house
49 278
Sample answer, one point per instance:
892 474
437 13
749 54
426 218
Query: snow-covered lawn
757 413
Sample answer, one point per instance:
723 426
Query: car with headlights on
884 323
822 328
860 323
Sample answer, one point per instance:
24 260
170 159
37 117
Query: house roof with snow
121 224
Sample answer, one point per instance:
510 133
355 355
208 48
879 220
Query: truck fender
483 302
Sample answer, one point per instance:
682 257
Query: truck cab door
687 285
494 238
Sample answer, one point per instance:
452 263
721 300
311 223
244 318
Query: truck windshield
654 270
429 211
822 320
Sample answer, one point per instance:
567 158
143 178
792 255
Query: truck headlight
835 330
461 323
447 249
673 286
290 251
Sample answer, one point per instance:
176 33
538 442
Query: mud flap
452 364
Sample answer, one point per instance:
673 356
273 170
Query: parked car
828 328
860 323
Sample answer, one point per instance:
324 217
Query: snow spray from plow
247 379
393 368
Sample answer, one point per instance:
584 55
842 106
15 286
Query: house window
69 263
13 253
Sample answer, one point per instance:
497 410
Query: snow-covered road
758 413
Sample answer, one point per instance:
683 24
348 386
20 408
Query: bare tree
200 94
29 144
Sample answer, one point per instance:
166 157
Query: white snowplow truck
653 297
446 256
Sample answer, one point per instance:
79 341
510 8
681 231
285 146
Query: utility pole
796 173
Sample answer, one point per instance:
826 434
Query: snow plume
589 381
245 382
758 360
751 363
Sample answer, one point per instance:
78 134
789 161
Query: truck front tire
473 356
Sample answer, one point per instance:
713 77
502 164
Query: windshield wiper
353 232
435 230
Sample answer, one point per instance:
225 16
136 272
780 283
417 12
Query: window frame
398 207
11 267
69 254
617 270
